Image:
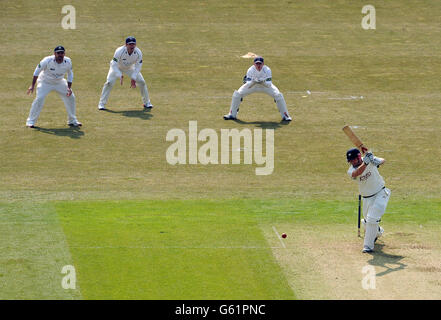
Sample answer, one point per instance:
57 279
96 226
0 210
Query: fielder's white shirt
263 75
370 181
125 61
50 71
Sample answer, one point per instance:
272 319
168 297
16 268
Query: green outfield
104 199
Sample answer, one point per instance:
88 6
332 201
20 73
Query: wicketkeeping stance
372 188
49 76
127 59
258 79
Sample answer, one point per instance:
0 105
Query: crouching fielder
375 194
49 76
127 59
258 79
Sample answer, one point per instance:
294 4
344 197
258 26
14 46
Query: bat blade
353 137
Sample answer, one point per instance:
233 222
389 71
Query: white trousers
251 87
43 89
373 209
115 74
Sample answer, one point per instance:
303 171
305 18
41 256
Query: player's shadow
142 114
71 132
264 124
390 262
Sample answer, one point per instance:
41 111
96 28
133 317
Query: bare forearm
32 87
34 80
359 170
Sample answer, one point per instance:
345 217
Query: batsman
373 191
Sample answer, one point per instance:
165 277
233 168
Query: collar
127 51
55 60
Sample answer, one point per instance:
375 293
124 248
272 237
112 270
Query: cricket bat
359 144
355 140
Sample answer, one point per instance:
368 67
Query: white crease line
142 247
348 98
24 222
280 239
169 247
306 92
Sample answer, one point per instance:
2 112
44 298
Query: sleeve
378 161
116 57
70 73
138 66
247 77
251 75
40 67
350 170
268 75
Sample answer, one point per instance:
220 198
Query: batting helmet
352 154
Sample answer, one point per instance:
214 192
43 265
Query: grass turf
192 67
171 250
192 249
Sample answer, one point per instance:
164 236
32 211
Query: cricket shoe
148 106
30 126
101 107
287 118
366 249
379 233
75 124
229 117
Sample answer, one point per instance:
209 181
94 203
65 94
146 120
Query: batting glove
367 159
377 161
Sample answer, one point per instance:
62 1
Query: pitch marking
280 239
